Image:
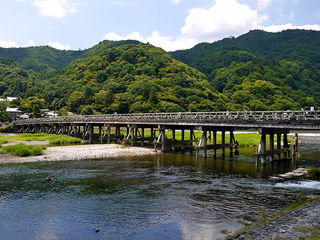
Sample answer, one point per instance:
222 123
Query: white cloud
167 43
279 28
31 43
225 18
59 46
55 8
114 37
263 4
10 44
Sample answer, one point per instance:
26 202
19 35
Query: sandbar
79 152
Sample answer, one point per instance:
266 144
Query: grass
23 150
3 141
52 138
311 233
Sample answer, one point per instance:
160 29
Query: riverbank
300 223
79 152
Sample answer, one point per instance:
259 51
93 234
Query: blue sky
170 24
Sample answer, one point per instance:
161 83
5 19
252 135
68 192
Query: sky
169 24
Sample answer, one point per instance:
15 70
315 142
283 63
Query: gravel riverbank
301 223
79 152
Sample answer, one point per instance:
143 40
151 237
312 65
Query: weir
130 129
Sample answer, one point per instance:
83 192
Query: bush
23 150
314 173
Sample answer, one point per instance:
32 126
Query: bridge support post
191 138
263 149
118 134
279 144
285 144
163 138
132 135
214 142
271 147
231 141
204 140
142 136
182 138
90 133
173 139
108 134
223 149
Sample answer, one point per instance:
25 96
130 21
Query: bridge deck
258 119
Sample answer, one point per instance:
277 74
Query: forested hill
258 70
288 61
45 58
292 45
128 78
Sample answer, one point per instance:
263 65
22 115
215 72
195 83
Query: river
165 196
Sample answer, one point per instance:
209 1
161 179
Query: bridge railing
272 116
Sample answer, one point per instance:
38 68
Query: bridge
110 127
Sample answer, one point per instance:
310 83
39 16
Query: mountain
258 70
292 45
129 78
46 58
288 60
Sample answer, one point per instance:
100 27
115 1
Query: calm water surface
166 196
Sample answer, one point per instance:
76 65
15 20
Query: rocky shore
79 152
301 223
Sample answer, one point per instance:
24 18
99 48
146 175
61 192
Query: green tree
36 111
4 115
75 100
87 110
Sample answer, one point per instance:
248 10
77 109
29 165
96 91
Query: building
14 113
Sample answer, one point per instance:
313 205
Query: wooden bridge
110 127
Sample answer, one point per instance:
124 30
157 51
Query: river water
165 196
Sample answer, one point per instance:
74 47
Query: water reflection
163 196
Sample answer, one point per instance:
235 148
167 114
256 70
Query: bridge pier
263 152
214 146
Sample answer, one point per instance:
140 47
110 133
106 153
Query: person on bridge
251 113
311 111
245 113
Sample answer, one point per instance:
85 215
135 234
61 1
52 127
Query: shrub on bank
23 150
314 173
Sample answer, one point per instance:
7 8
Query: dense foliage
275 71
259 70
132 78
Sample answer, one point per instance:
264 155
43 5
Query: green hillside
132 78
288 62
258 70
44 58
